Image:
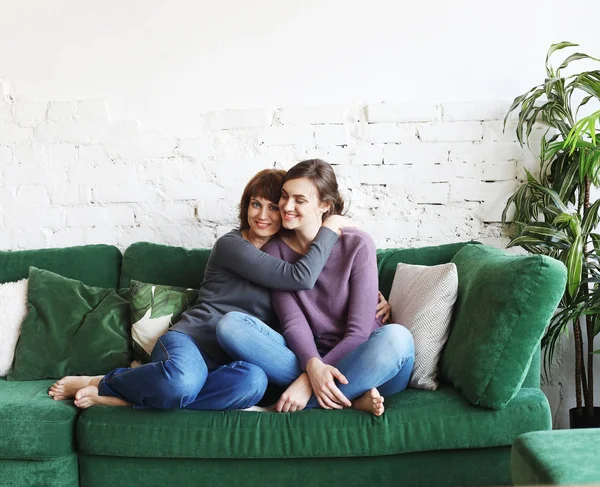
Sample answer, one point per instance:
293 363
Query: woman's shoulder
357 238
233 238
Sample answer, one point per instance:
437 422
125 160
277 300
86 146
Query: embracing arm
295 327
240 256
363 302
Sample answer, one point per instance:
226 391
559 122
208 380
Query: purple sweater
338 314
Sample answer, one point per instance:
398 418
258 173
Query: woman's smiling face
300 205
264 217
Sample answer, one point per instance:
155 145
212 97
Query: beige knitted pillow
422 298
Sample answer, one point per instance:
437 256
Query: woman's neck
302 238
254 239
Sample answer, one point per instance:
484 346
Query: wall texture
412 174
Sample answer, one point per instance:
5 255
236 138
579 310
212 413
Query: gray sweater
238 277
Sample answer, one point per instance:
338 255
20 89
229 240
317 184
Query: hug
289 298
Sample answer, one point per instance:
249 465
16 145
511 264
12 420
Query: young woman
339 355
188 369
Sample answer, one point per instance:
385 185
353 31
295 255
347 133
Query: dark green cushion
95 265
413 421
556 457
32 424
388 259
504 304
71 329
163 264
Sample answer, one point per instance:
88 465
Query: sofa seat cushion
32 425
414 421
556 457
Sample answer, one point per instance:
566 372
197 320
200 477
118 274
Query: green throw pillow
504 304
71 329
154 309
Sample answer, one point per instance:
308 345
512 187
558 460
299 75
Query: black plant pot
579 418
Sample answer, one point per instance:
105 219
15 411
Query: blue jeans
384 361
181 376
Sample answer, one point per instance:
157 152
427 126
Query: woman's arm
240 256
362 304
294 326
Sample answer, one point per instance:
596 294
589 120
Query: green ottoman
556 457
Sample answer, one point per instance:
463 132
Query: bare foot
67 387
88 396
371 402
296 396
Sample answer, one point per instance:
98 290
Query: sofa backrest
388 260
176 266
163 264
94 265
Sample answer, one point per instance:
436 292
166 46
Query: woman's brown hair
321 174
265 184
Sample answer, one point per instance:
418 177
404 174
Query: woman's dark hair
265 184
321 174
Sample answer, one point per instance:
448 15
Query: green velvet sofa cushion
556 457
71 329
32 425
58 472
163 264
388 259
95 265
441 468
414 421
504 304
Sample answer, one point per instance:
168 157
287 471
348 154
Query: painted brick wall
412 174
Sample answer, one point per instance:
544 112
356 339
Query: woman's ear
325 207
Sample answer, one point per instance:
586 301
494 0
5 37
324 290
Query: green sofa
424 438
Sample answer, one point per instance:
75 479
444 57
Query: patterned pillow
422 298
154 309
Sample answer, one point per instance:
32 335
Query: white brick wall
413 174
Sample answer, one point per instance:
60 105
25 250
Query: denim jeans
384 361
181 376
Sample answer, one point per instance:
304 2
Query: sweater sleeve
295 327
362 303
243 258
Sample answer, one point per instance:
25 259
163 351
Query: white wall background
142 120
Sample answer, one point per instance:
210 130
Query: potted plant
554 212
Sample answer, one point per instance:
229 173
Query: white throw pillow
13 309
422 299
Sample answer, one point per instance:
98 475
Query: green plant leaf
583 102
562 218
591 218
553 49
574 266
541 234
575 57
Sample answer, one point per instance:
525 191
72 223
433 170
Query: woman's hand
337 222
322 381
384 310
296 396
